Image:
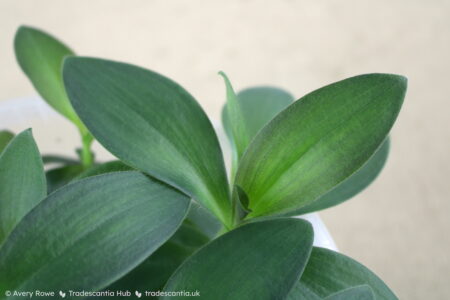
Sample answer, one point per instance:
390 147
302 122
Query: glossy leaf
237 122
22 181
152 124
41 56
354 184
61 176
5 137
318 142
362 292
90 233
260 260
329 272
153 273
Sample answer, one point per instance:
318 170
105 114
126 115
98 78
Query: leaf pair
312 146
316 144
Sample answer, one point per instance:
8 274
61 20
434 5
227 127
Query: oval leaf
41 56
317 142
152 124
329 272
261 260
22 181
90 233
354 184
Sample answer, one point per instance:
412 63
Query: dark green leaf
153 273
87 234
329 272
318 141
261 260
41 56
57 159
5 137
22 181
201 217
353 184
362 292
204 220
152 124
61 176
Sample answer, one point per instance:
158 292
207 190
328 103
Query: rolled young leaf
90 233
152 124
354 184
329 272
22 181
41 56
361 292
237 121
5 137
260 260
318 141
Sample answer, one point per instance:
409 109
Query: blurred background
399 227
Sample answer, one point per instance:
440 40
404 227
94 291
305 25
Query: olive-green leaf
260 260
353 184
361 292
318 141
152 124
87 234
22 181
153 273
41 56
5 137
258 105
329 272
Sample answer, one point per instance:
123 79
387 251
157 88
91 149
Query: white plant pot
55 135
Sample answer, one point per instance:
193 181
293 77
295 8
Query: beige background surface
399 227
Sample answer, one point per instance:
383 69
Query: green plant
165 216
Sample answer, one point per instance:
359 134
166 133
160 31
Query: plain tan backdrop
399 227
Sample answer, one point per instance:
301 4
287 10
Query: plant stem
86 156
